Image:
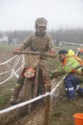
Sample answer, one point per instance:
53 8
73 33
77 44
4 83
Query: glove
53 75
82 70
53 53
17 51
80 73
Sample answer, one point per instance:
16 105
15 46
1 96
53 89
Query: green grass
5 93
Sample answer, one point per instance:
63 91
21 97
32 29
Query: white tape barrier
23 63
30 101
11 75
8 60
24 103
57 85
77 51
5 72
13 70
15 64
23 59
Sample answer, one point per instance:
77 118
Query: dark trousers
71 83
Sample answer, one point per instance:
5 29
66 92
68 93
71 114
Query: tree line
67 35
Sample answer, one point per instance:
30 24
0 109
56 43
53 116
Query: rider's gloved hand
53 52
17 51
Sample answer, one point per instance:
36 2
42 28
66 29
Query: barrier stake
47 105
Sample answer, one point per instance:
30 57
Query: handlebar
38 53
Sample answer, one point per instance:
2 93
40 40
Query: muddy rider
37 41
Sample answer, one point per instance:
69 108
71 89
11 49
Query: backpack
72 53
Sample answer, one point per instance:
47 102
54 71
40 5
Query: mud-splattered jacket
37 43
70 65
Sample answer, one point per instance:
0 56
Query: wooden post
47 105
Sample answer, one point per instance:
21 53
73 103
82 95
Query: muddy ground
61 111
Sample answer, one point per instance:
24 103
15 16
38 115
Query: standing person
37 41
72 66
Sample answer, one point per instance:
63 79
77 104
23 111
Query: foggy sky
21 14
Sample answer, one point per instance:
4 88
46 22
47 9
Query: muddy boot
15 94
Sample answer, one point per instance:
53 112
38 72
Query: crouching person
72 66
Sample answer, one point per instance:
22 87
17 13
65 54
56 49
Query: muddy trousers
71 83
19 85
15 93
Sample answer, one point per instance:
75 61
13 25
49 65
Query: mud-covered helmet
41 26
